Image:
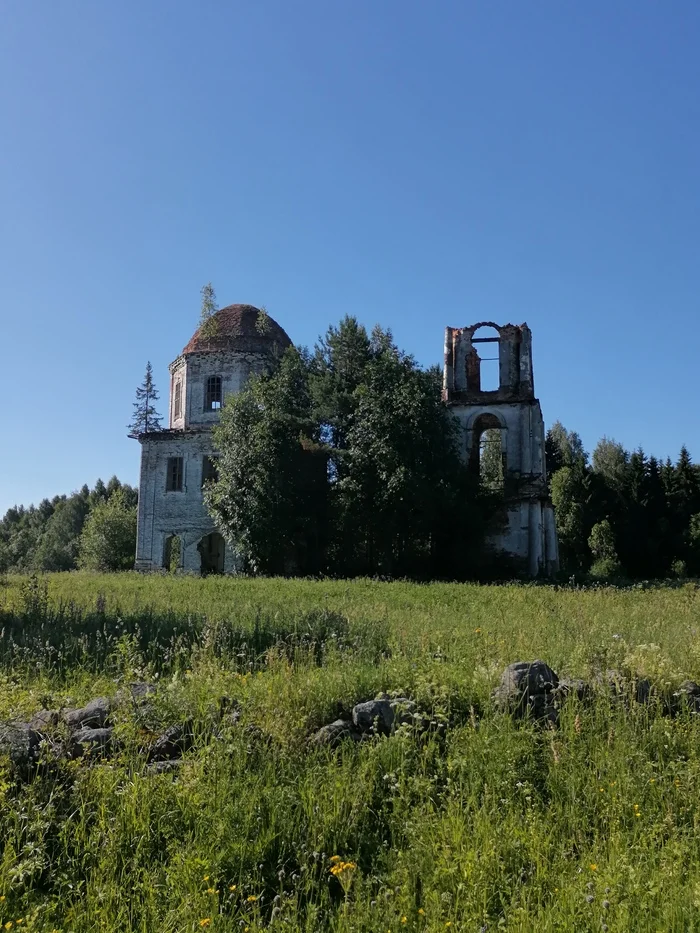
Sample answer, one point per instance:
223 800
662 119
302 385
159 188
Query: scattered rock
172 743
94 714
332 734
374 715
92 741
163 767
571 687
686 697
526 689
20 744
44 721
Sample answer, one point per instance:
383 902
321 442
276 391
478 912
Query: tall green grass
487 824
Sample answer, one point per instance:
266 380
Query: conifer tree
145 417
207 322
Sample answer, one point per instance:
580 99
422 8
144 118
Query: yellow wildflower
212 891
205 921
232 887
594 867
252 898
9 925
335 858
404 920
205 878
421 911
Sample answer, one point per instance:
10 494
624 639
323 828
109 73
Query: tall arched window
483 369
487 456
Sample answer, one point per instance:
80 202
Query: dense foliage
346 461
623 514
482 824
49 536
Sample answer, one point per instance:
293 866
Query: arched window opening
483 368
491 459
487 456
172 553
212 550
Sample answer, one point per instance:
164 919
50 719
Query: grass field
487 824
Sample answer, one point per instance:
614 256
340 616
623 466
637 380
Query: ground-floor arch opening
212 552
487 456
172 553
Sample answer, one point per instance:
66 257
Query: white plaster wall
234 368
162 513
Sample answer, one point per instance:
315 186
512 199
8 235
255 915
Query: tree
563 448
145 417
570 499
207 321
268 500
602 544
108 539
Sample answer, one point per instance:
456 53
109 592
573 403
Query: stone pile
88 731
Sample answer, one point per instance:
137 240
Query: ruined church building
174 526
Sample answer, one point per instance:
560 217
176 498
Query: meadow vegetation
484 823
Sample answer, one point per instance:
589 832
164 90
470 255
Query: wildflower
652 780
205 878
477 631
9 925
421 911
252 898
404 920
336 858
594 867
205 921
232 887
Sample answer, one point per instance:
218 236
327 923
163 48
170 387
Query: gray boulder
571 687
374 716
172 743
94 714
44 721
20 744
526 689
91 741
334 733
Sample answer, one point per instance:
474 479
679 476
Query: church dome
238 327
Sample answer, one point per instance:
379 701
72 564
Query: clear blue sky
413 163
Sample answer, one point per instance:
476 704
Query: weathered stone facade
175 462
528 531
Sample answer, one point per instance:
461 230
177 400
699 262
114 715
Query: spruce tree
207 321
145 417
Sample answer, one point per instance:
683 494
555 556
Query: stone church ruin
488 387
504 405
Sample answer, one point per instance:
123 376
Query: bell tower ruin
502 410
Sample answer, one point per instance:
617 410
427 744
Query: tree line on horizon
344 461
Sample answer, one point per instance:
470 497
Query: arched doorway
172 553
212 550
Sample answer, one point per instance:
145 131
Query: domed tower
174 527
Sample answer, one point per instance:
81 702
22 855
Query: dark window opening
213 398
174 480
485 369
178 399
210 469
212 552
